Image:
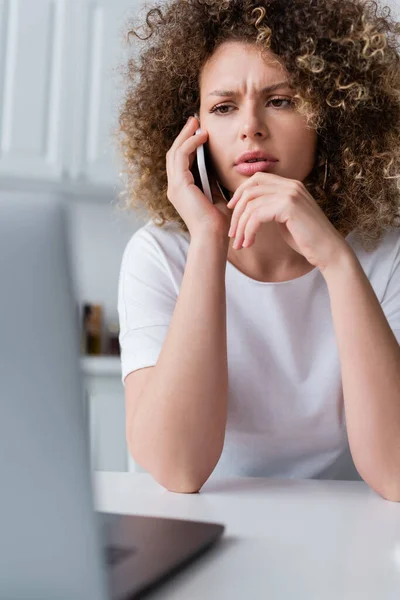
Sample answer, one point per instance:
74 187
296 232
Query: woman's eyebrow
269 88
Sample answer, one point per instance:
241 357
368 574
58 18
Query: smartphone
204 183
201 165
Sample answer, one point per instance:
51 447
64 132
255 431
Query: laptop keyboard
116 554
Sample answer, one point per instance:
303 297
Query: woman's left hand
302 223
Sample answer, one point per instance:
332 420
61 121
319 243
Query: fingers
251 219
184 155
247 232
179 157
242 202
244 225
187 131
190 145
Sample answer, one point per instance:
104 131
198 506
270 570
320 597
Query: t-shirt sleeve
146 302
391 298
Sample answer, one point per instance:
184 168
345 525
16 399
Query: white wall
99 233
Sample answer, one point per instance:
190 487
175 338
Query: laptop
54 545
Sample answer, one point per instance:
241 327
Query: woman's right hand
193 206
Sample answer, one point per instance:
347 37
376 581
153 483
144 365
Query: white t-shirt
286 414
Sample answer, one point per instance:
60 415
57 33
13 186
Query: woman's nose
253 126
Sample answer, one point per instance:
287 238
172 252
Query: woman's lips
254 167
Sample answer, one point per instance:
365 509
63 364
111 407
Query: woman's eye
280 100
220 107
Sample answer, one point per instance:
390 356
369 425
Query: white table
284 539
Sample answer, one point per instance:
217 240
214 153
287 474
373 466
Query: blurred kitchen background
61 79
61 65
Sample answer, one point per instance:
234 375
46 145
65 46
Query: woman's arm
177 428
370 365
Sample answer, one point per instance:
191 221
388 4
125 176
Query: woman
260 337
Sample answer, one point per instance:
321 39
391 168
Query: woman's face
249 119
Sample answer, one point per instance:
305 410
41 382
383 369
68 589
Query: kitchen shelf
101 365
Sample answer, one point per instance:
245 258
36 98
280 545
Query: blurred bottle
91 329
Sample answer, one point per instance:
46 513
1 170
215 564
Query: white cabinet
107 425
105 412
33 67
61 88
100 51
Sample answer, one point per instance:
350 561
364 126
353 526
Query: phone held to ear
201 164
202 168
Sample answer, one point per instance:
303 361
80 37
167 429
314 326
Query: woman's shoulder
150 242
385 251
381 264
169 233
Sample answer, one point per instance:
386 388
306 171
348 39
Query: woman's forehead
231 62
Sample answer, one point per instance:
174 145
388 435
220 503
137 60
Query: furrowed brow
269 88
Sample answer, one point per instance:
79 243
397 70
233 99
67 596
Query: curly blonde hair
343 61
